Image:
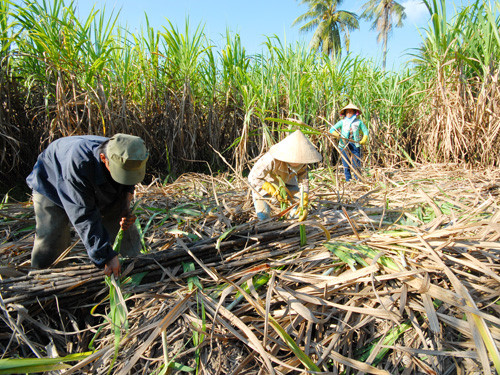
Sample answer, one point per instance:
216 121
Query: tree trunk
385 36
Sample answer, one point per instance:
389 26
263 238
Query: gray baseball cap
127 156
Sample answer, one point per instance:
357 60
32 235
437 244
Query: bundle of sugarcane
240 246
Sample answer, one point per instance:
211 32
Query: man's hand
128 217
113 267
127 221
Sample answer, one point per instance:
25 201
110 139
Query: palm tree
329 23
383 12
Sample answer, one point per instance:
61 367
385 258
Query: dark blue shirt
71 174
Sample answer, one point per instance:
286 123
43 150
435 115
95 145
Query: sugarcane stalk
302 228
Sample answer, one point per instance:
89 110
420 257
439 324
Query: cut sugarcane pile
400 274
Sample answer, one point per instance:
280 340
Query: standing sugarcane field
172 206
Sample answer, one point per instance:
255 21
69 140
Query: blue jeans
351 155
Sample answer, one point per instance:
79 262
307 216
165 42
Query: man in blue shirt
88 182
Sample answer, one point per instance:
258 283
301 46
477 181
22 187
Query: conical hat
295 148
349 106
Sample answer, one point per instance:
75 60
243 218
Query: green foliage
198 337
38 365
388 340
328 24
92 76
193 281
382 13
355 255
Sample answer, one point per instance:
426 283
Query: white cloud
416 11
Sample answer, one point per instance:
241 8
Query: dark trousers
52 232
351 157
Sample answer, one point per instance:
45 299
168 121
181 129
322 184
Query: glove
268 187
336 134
304 215
364 140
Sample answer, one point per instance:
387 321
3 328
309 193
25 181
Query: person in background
286 163
350 139
87 181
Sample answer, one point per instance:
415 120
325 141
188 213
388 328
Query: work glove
336 134
364 140
268 187
304 215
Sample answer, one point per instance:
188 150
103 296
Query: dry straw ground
399 275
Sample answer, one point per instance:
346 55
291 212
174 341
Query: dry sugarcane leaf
431 313
252 341
481 333
173 314
296 305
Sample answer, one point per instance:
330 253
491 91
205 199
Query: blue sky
253 20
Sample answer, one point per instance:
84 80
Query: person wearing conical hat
285 162
349 130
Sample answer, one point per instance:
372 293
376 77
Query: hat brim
295 148
350 106
127 177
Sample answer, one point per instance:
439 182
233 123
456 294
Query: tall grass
9 128
184 96
458 64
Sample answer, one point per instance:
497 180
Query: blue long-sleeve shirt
71 174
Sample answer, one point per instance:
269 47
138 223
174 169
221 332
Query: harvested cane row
399 274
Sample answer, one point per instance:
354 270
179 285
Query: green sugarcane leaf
193 281
134 280
383 260
303 236
32 365
306 129
180 367
257 282
389 340
306 361
225 234
118 241
344 256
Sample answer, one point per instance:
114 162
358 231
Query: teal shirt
351 131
